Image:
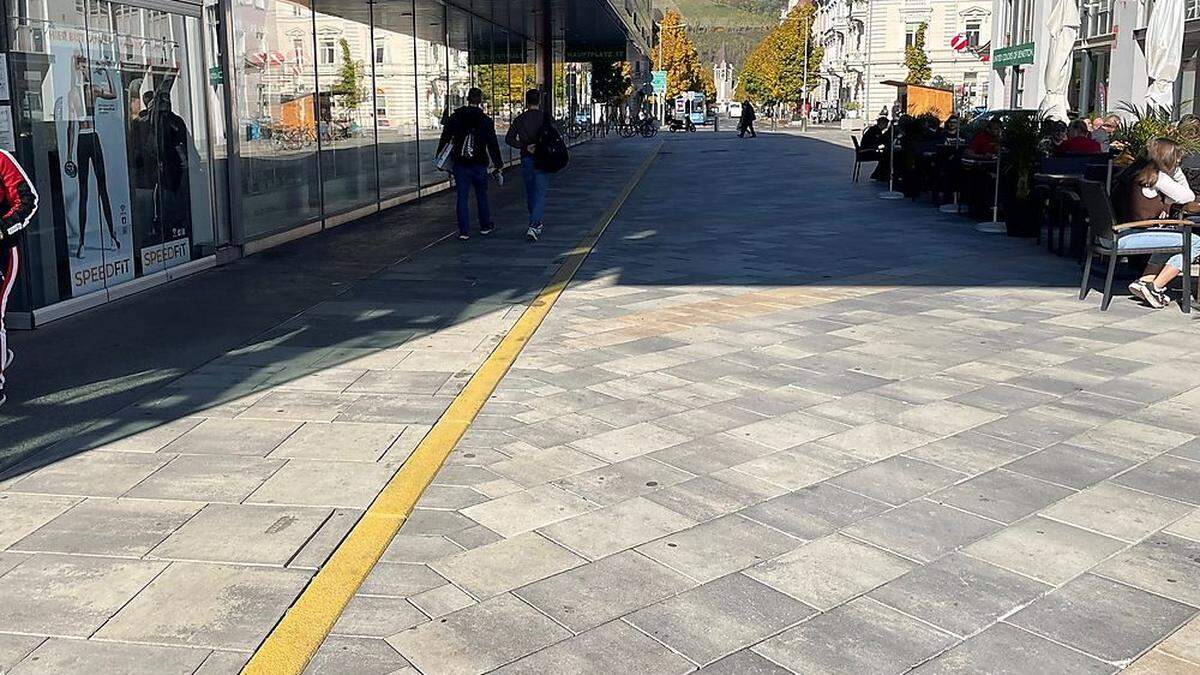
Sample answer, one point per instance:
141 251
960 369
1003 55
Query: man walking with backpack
524 133
473 135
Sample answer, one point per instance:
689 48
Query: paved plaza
774 424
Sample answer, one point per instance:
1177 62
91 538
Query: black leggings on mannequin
91 154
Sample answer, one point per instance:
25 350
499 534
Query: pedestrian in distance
18 203
746 123
523 134
472 135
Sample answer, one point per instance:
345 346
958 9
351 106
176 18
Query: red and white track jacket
18 200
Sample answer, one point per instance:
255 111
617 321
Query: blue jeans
1161 239
537 184
467 176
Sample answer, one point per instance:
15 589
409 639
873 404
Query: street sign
660 82
1010 57
216 76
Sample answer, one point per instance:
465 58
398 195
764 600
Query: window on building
1095 17
972 32
328 52
1020 28
380 51
298 50
910 33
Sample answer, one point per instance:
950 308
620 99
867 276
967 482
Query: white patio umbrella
1164 52
1063 29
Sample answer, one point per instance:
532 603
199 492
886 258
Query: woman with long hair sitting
1157 184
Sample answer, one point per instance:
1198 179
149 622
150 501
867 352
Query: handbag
444 161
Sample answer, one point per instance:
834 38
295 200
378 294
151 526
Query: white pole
891 193
955 207
995 226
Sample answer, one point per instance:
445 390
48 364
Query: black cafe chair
863 155
1105 235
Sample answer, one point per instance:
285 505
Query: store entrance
111 102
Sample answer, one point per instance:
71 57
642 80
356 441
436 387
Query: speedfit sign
1009 57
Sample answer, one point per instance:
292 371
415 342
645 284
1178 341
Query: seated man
875 135
1079 141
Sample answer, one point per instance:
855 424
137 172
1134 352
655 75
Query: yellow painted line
294 641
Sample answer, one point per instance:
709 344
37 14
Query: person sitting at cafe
951 128
1079 141
879 137
1156 183
875 135
1103 129
985 143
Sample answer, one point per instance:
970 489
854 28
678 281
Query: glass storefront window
432 88
112 130
396 97
345 107
458 56
275 98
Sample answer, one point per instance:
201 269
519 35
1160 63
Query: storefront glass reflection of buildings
132 124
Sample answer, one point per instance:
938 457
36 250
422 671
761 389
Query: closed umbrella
1164 52
1063 29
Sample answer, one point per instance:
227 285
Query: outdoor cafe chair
1052 190
1105 237
862 155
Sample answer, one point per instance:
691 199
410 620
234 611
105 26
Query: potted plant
1141 125
1020 149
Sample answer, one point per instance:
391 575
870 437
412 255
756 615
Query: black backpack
550 154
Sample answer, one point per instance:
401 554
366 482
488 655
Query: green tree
916 60
676 54
350 76
609 82
775 70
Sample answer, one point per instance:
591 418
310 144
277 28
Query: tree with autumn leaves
676 54
916 59
775 70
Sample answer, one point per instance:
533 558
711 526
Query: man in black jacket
746 124
473 134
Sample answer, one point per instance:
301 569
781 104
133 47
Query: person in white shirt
1158 185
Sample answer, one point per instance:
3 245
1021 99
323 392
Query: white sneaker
1138 290
533 233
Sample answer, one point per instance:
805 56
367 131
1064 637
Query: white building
865 42
1110 64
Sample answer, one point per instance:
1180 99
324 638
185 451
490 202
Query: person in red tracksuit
18 202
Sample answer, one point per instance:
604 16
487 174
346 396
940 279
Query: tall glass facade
158 131
106 112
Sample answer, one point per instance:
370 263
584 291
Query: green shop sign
1009 57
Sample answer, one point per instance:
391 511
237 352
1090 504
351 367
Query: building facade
865 41
1109 69
169 136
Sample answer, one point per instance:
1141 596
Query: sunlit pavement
774 424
